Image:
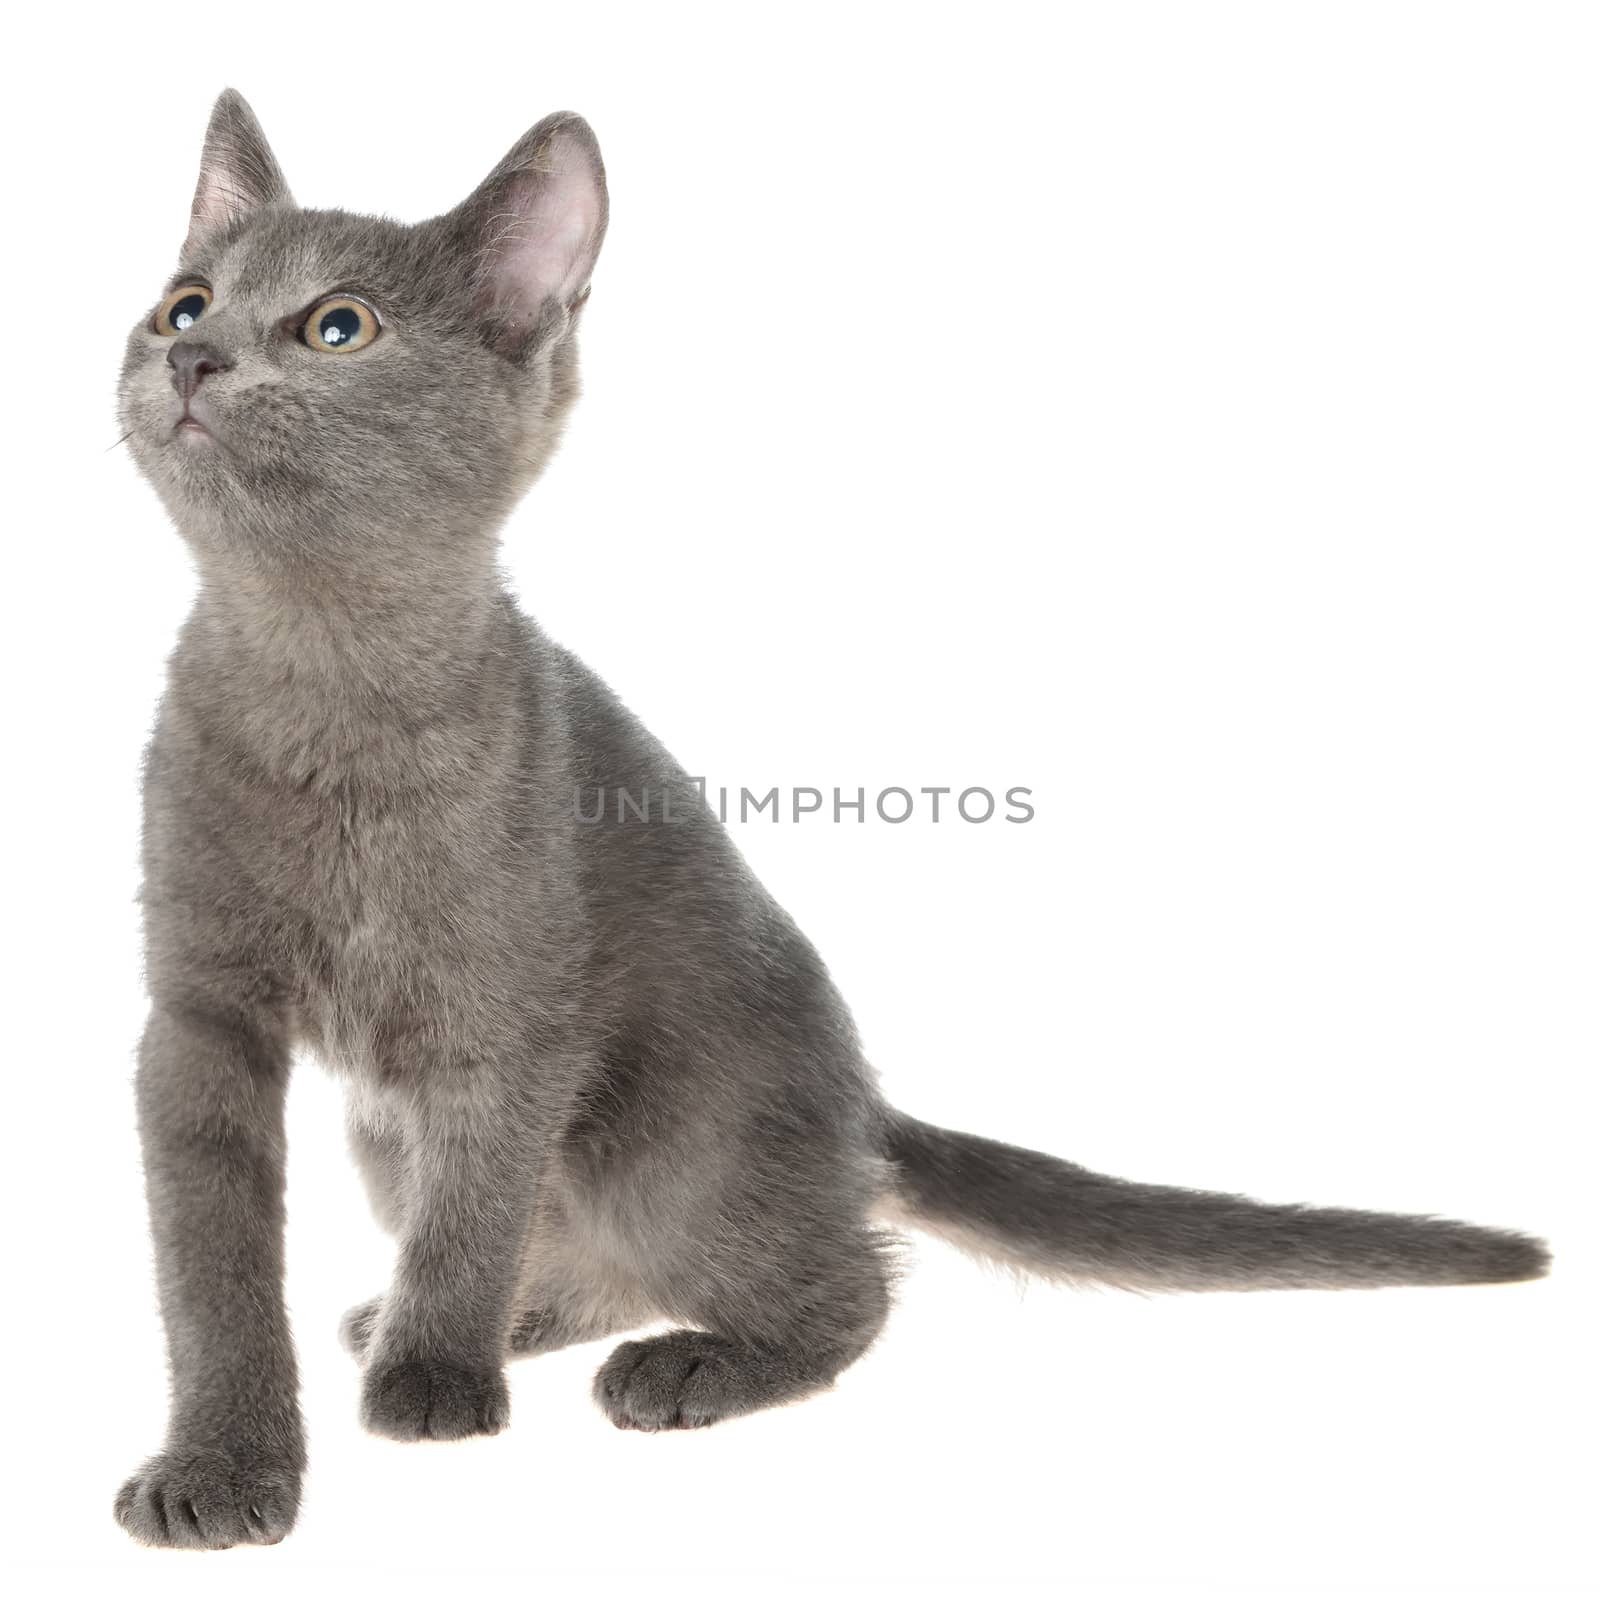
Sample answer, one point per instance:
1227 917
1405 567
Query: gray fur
597 1078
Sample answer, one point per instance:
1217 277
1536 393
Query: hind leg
549 1326
736 1189
357 1324
804 1334
569 1294
380 1157
566 1301
690 1379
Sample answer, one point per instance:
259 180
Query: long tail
1032 1212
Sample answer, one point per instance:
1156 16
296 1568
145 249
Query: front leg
210 1089
436 1359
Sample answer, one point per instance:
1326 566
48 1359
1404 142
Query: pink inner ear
543 235
217 201
228 190
237 171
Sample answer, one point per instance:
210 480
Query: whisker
123 440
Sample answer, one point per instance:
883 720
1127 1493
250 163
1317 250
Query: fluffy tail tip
1507 1257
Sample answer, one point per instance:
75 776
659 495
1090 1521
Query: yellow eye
340 324
182 309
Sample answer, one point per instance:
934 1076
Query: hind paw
671 1381
691 1379
356 1326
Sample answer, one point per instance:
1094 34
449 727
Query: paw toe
678 1380
434 1400
205 1500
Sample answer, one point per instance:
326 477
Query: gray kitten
597 1078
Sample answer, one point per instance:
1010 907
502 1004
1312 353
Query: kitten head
320 387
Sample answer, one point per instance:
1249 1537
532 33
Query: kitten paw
675 1380
207 1499
433 1400
357 1324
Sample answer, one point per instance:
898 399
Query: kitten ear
532 229
238 173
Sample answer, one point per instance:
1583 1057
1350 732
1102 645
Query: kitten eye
340 324
182 309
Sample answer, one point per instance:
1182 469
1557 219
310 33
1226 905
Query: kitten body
597 1078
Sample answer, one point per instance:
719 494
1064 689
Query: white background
1186 412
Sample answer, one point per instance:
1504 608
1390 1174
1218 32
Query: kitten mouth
189 426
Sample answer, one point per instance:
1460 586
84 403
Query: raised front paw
433 1400
208 1499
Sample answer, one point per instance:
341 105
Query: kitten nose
190 363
